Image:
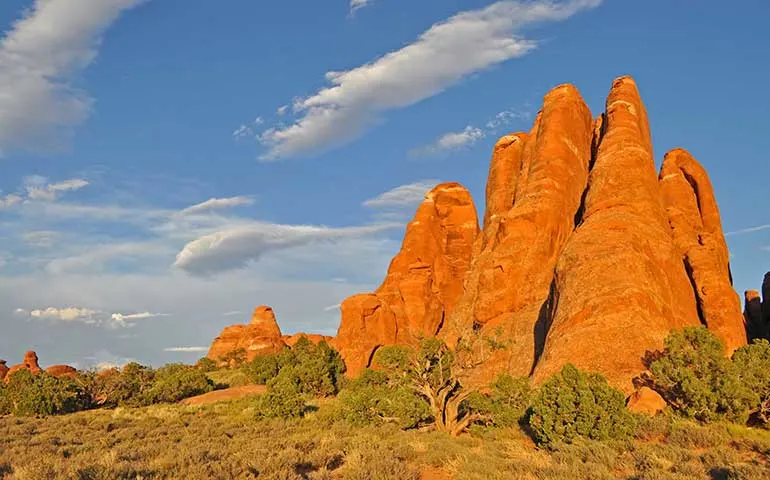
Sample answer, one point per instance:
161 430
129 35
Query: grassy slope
222 441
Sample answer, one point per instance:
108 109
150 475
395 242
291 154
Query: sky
168 165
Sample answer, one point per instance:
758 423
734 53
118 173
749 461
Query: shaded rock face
620 284
646 401
261 336
423 283
694 218
3 369
757 311
510 280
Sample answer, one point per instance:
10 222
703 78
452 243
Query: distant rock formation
587 254
423 284
31 363
291 340
261 336
757 312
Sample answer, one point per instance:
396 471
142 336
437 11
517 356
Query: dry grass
222 441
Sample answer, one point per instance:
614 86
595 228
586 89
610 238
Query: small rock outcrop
30 363
423 283
3 370
291 340
261 336
646 401
694 218
62 371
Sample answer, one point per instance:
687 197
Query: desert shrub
697 380
752 365
505 404
206 364
40 394
236 358
283 399
6 405
127 388
175 382
576 404
317 369
370 399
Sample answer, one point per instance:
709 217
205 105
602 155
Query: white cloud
332 308
235 248
185 349
402 196
442 56
120 320
232 313
38 190
67 314
9 200
743 231
359 4
95 257
244 130
451 141
217 203
40 56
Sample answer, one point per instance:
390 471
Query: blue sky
170 164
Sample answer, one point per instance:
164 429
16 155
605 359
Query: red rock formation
423 284
510 281
62 371
30 363
646 401
261 336
752 313
620 284
504 171
694 218
291 340
3 370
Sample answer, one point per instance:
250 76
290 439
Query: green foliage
6 405
129 388
752 364
206 365
370 399
316 369
574 404
175 382
506 404
283 398
28 394
696 378
236 358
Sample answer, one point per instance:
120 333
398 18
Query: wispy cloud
185 349
39 56
453 141
744 231
442 56
88 316
38 189
128 320
402 196
235 248
217 204
356 5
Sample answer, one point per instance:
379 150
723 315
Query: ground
223 441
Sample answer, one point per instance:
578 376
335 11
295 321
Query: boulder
508 289
261 336
620 285
646 401
423 283
62 371
697 228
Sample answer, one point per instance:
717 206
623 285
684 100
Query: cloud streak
402 196
40 56
744 231
185 349
235 248
217 204
442 56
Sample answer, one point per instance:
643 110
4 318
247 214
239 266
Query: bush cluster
136 385
303 371
700 382
575 404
